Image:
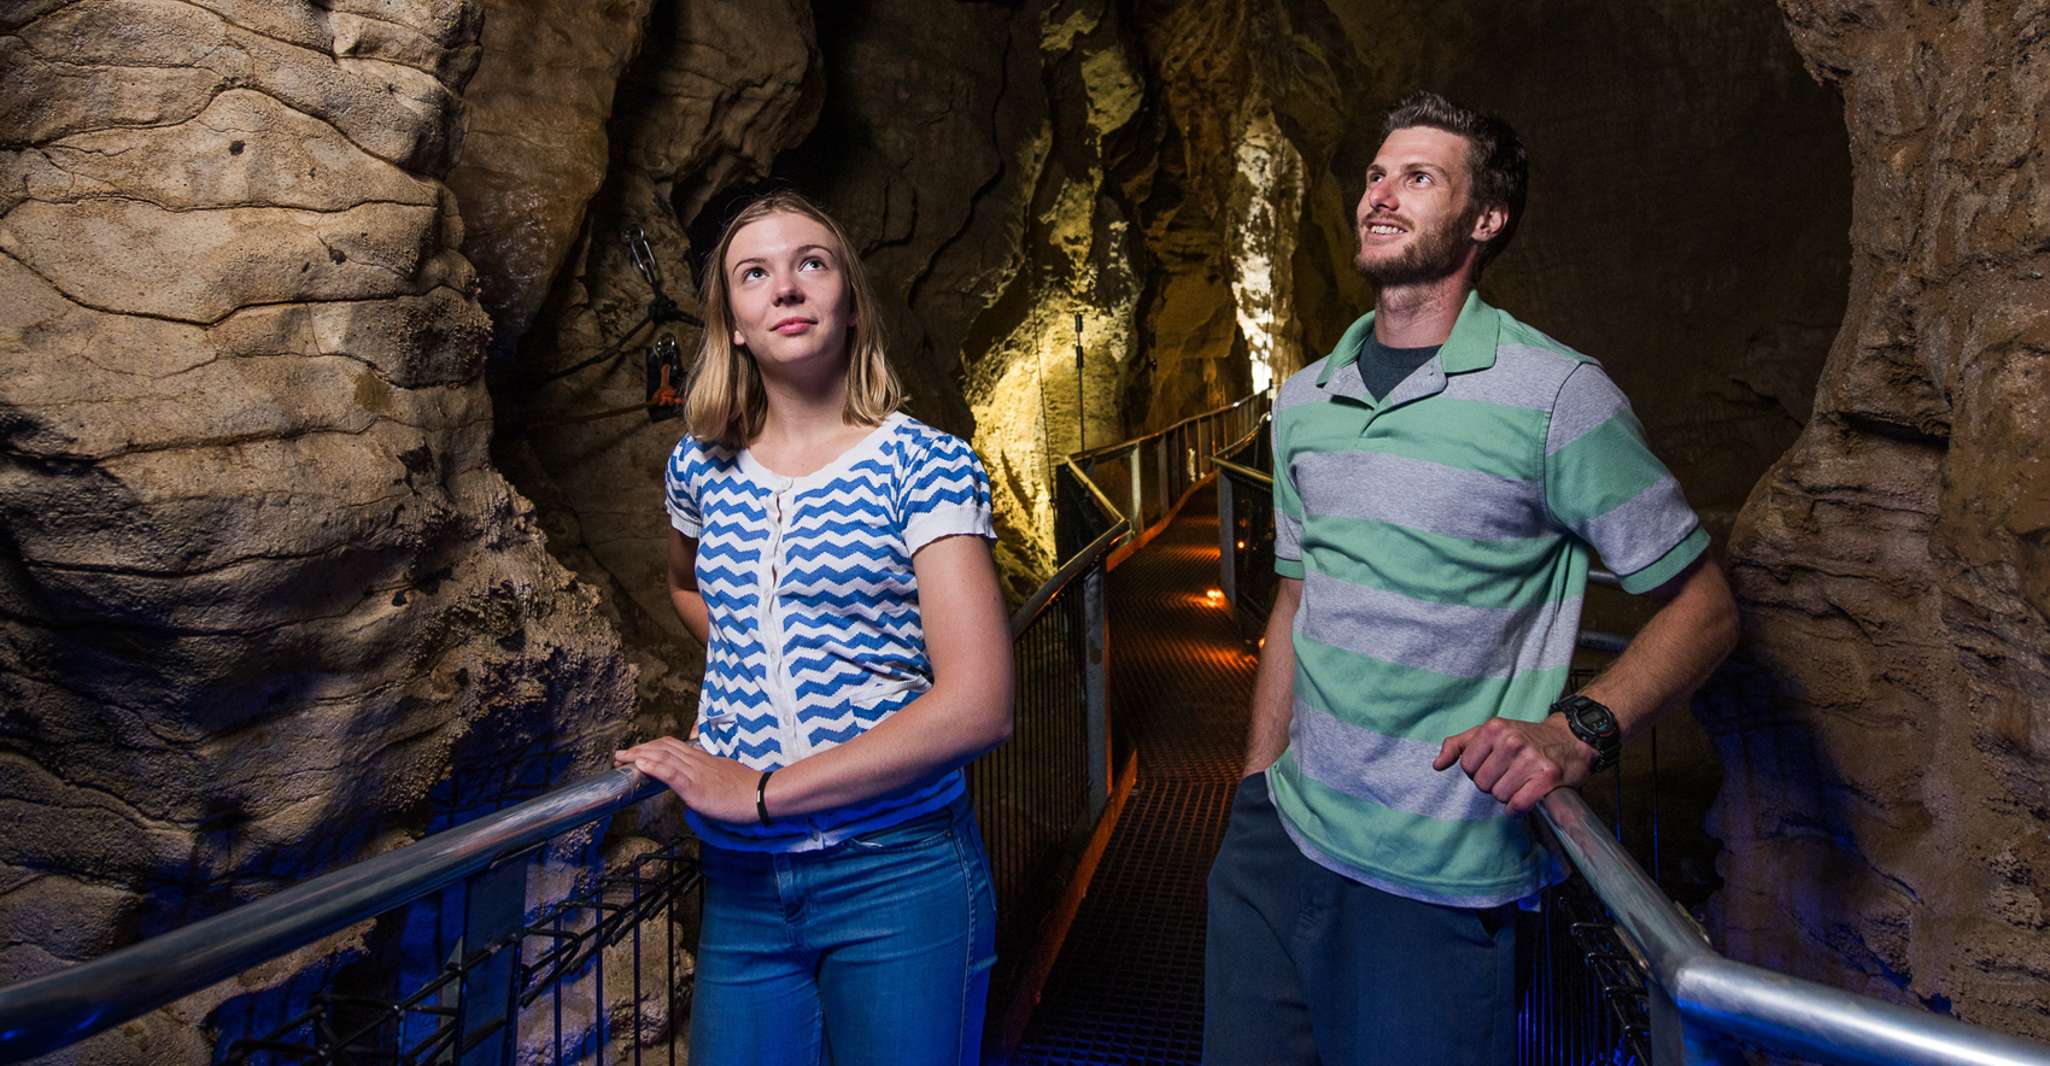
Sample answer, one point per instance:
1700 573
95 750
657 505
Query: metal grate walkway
1128 986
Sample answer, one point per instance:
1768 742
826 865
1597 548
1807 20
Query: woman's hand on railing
716 788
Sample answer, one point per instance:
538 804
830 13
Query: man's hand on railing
1516 762
716 788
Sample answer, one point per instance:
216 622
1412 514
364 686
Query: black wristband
762 797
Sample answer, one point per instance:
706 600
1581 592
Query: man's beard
1432 255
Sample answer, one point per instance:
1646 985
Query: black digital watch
1596 727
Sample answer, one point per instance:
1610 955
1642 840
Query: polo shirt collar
1470 347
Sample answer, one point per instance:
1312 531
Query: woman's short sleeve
680 489
946 494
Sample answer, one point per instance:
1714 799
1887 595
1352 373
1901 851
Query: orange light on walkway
1215 597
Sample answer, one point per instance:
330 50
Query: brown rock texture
1887 807
710 94
1048 177
262 592
535 148
1181 175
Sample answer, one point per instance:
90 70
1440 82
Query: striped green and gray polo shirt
1443 538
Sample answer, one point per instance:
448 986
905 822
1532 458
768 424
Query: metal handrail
1133 442
61 1008
1770 1010
1246 472
58 1009
1074 568
1096 495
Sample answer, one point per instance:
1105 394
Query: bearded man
1442 481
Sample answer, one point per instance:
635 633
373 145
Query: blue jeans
876 950
1304 966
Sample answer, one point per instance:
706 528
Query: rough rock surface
1887 808
261 590
535 148
712 94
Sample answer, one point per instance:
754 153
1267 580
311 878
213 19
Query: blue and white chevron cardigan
815 628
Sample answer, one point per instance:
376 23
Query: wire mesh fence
1032 795
599 975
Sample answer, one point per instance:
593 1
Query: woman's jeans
876 950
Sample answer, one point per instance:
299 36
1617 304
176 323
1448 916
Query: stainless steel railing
59 1009
1698 995
1048 785
1032 795
1144 479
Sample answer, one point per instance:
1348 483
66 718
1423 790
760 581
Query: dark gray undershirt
1382 368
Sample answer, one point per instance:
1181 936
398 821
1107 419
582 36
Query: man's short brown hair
1495 158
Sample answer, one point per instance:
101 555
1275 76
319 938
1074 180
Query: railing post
1096 682
494 906
1138 513
1160 465
1227 543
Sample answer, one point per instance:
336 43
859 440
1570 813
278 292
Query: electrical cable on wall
664 363
661 308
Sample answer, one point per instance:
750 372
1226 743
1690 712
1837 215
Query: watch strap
1595 725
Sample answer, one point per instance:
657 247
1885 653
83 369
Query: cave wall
1888 801
1002 168
672 103
263 596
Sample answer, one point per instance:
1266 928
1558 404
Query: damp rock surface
1887 805
263 595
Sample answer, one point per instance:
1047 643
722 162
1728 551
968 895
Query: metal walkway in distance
1128 984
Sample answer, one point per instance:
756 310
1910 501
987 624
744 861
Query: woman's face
787 291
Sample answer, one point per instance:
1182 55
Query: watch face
1592 717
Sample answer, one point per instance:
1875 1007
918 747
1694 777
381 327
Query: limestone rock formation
1887 808
712 93
261 589
535 148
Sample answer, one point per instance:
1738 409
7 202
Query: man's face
1416 220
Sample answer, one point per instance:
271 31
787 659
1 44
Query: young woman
833 555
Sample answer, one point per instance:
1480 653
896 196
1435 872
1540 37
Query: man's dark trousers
1306 966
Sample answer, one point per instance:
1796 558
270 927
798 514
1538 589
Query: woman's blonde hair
725 402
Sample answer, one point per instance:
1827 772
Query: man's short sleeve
1288 513
1603 483
946 494
678 490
